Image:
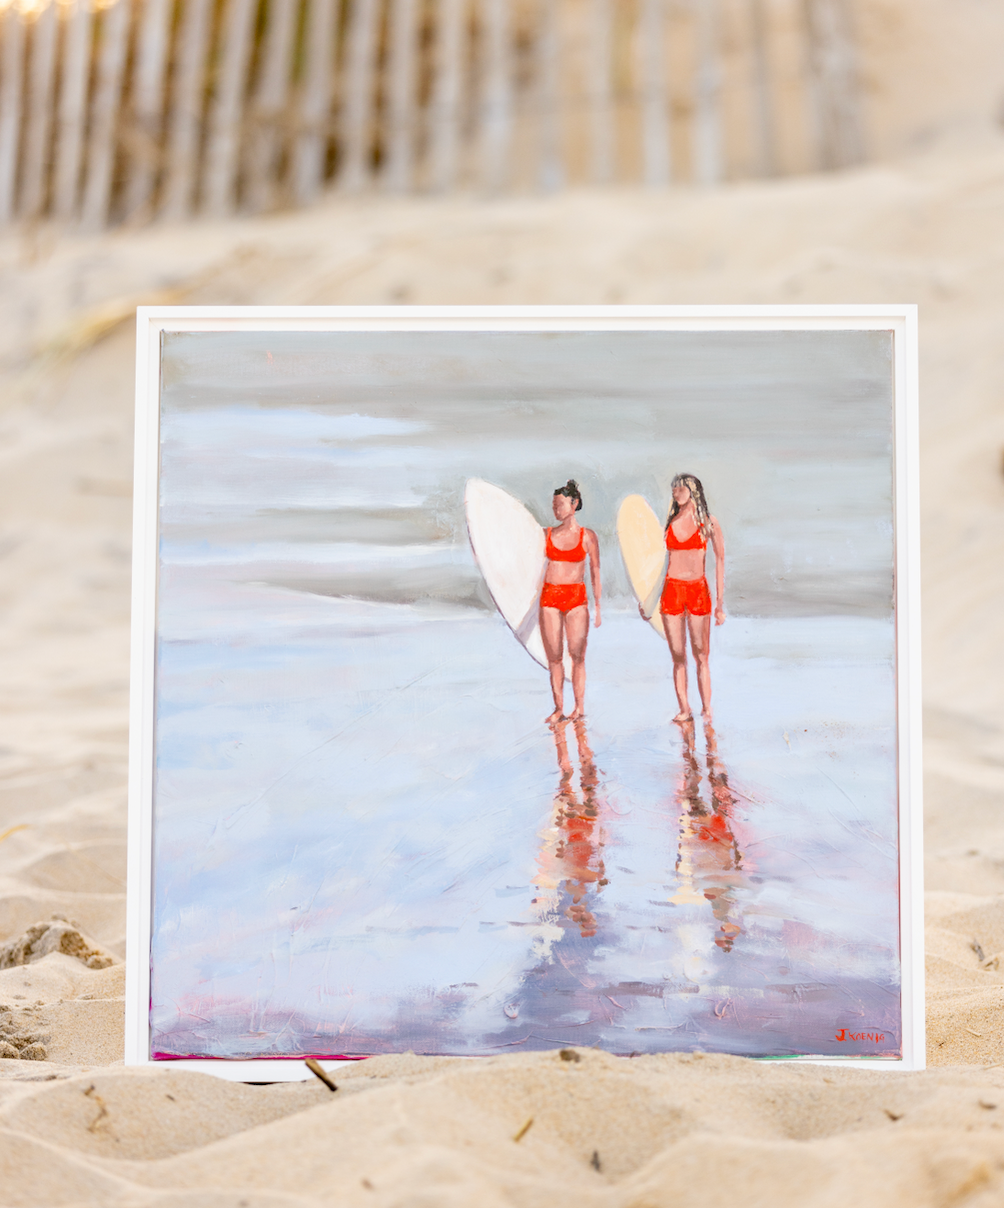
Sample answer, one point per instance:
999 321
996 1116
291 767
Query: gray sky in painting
335 462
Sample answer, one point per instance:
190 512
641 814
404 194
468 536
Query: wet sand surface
390 850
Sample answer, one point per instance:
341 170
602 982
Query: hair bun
571 491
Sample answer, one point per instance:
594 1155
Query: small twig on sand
92 1093
318 1071
524 1130
594 1161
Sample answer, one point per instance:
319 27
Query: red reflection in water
709 863
572 861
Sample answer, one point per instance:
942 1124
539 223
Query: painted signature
843 1034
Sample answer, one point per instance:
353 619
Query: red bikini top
576 554
694 541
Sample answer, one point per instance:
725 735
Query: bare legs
700 641
551 632
676 635
700 644
577 635
557 628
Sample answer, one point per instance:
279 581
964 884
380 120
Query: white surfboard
643 548
508 546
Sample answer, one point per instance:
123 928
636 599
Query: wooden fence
129 110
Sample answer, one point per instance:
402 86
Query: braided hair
693 485
571 491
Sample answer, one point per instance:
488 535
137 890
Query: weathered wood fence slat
41 82
316 92
657 155
69 151
602 92
763 108
186 104
707 96
402 72
138 110
11 89
496 112
445 108
357 98
148 102
550 172
269 106
101 146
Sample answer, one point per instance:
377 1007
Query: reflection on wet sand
709 864
559 997
570 862
681 950
566 991
706 964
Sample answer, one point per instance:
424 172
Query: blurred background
129 110
476 151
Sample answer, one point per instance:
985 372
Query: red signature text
876 1037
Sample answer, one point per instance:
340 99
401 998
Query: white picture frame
156 323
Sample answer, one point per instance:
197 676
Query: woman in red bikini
564 609
686 600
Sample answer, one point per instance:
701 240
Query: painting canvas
515 685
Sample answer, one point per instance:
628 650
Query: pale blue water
365 842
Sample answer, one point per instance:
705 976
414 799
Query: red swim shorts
563 596
685 595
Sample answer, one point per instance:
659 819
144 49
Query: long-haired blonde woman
686 605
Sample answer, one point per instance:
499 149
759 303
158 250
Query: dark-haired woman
686 601
564 608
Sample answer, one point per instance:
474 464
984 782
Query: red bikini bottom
563 596
685 595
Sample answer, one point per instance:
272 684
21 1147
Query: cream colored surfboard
508 546
643 548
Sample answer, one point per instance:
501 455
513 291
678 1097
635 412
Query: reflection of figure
557 988
571 860
686 600
709 862
564 610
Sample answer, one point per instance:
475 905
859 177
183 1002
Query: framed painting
518 678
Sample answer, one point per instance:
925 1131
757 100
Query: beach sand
76 1128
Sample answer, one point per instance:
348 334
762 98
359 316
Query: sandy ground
79 1129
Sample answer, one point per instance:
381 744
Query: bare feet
554 718
706 715
577 713
683 716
